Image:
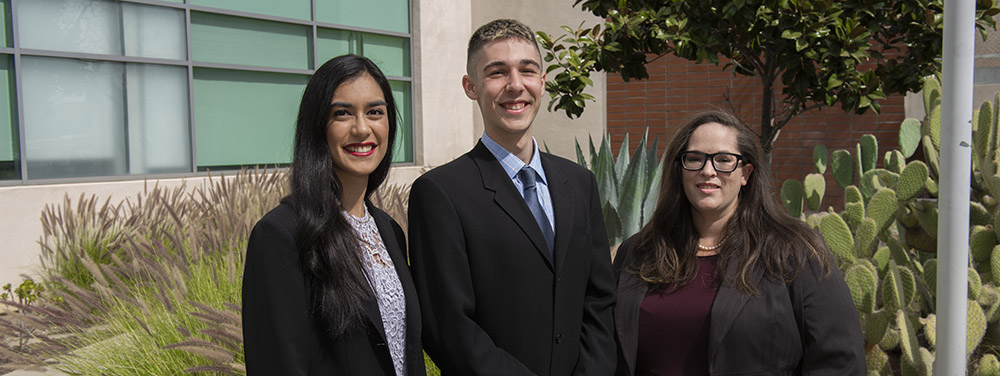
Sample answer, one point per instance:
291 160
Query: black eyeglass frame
709 157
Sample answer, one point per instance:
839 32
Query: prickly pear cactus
885 240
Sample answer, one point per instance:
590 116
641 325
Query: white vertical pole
953 200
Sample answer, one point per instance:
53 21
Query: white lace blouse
385 282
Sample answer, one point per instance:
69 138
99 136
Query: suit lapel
562 209
506 196
728 303
630 295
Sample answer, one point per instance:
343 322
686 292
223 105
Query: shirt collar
511 163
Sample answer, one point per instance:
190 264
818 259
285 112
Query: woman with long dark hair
722 280
326 289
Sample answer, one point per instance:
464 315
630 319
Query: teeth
515 106
359 148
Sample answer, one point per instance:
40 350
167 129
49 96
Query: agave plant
627 184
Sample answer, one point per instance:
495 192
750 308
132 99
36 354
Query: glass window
403 149
153 32
158 129
391 54
331 43
6 34
245 118
285 8
73 114
10 164
235 40
102 27
388 15
90 26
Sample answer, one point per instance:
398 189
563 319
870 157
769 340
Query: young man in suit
508 247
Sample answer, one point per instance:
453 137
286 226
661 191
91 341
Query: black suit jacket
495 302
807 327
280 337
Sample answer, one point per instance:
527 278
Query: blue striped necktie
528 178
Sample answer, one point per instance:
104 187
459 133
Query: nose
361 128
516 82
709 168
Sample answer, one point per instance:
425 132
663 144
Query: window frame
16 52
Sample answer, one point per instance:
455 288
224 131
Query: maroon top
673 327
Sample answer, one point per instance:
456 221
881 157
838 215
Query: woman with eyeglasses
722 281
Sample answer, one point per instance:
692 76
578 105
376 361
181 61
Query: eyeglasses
721 162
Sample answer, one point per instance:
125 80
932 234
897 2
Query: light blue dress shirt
512 165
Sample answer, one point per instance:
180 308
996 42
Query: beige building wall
447 124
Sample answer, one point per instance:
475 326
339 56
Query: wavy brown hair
760 234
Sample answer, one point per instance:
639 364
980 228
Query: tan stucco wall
446 122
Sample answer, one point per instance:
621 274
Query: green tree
818 52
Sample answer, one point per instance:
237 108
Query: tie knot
527 176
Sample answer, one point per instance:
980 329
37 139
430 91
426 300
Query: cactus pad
837 236
932 127
976 329
791 196
894 161
982 239
909 136
815 188
988 366
842 167
867 153
866 232
975 284
978 215
911 180
863 285
820 158
882 208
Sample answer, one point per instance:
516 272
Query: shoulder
456 170
624 251
281 217
564 165
278 226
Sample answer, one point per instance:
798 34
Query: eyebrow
370 104
501 63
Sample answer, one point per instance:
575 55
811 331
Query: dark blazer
807 327
279 336
496 302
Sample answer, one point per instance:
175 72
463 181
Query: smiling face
714 195
506 79
358 129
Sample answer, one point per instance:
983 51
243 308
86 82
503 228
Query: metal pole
953 201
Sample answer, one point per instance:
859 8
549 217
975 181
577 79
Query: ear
470 88
747 170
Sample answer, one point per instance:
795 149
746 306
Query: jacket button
558 338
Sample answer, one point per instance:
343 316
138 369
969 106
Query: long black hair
328 247
759 235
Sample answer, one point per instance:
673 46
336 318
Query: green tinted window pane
388 15
391 54
10 164
403 150
245 118
331 43
235 40
5 32
284 8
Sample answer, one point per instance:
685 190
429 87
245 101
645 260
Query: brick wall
678 89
